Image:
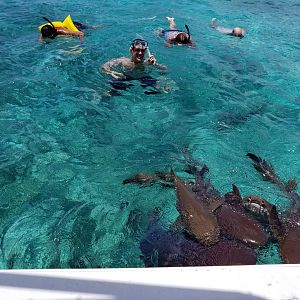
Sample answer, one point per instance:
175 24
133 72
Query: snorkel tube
148 52
54 32
188 33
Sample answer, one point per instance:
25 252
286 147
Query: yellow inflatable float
67 23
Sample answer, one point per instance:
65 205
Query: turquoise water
65 148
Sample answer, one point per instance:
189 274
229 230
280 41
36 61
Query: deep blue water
65 148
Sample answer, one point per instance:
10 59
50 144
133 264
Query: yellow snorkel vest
67 23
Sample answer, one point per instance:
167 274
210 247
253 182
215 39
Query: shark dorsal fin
236 191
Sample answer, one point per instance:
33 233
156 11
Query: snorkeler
236 31
174 36
51 31
135 68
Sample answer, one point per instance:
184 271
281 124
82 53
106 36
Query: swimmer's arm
152 61
107 68
168 43
213 24
224 30
64 31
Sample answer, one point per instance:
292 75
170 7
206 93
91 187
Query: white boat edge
230 282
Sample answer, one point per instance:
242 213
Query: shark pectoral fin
165 176
167 184
291 185
254 157
215 203
140 178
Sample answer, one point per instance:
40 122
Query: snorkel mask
139 44
48 30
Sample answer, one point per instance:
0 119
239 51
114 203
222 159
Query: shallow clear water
65 148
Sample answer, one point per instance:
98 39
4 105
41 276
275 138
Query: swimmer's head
48 31
237 31
137 50
182 38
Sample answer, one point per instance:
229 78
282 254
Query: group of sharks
220 230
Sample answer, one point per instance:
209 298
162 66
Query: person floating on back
174 36
236 31
53 29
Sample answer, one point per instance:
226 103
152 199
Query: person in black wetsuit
174 36
126 69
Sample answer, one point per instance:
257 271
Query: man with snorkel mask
135 68
174 36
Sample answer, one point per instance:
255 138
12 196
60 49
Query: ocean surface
66 146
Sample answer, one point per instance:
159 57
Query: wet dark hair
182 38
48 31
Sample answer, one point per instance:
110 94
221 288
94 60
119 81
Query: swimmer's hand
114 74
152 60
117 75
81 35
